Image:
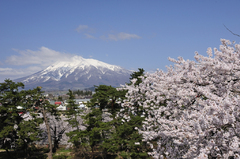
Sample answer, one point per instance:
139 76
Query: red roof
58 102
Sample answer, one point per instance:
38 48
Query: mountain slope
77 73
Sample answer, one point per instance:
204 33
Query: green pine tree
108 97
15 103
125 140
73 114
137 75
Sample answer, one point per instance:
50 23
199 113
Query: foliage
15 101
60 98
82 92
19 116
60 156
73 115
192 110
125 139
96 120
94 133
107 97
90 138
72 111
137 76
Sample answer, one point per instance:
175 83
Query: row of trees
99 130
83 92
18 128
105 133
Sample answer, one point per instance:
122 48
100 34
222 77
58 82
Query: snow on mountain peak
68 66
78 72
80 62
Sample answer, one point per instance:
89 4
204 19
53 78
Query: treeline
110 131
98 132
82 92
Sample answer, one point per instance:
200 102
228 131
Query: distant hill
79 73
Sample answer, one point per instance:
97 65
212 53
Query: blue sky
128 33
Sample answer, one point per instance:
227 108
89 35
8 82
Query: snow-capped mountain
77 73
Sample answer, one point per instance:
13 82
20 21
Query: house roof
58 103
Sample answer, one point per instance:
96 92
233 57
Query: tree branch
231 31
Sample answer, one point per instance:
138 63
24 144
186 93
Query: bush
60 156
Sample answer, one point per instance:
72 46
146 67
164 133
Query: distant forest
83 92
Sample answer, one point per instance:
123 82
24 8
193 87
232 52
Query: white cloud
5 69
84 29
81 28
17 73
88 36
42 57
121 36
28 62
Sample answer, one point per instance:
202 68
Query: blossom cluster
193 109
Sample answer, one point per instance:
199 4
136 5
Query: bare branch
231 31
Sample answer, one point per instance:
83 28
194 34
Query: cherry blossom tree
193 109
